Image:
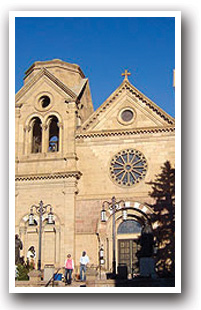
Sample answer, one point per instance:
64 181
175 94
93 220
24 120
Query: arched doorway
119 233
128 233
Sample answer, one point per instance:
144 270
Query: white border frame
12 15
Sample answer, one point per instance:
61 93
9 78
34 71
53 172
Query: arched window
37 136
129 227
53 135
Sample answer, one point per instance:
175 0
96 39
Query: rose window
128 167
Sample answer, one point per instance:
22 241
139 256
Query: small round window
127 115
44 101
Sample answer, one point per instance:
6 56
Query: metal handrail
52 278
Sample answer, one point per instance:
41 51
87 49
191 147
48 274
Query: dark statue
18 247
146 241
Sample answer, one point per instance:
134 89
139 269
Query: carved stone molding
42 72
44 127
65 175
27 128
60 125
125 132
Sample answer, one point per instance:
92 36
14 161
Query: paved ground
76 284
146 282
138 282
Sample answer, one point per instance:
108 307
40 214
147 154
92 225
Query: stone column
27 140
61 142
45 139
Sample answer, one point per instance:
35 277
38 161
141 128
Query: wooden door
127 249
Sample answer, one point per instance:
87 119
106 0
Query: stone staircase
93 279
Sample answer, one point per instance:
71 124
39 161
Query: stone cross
126 73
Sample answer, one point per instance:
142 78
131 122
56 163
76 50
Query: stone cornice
36 77
49 176
129 132
54 63
126 85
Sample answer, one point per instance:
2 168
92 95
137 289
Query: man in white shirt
84 260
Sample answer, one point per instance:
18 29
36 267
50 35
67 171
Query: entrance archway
125 235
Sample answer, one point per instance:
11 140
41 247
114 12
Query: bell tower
54 101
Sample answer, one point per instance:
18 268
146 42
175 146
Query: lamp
112 206
40 209
124 214
103 215
31 217
101 252
50 217
102 261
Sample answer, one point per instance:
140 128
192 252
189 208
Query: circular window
127 115
44 101
128 167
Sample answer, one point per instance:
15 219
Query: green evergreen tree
163 220
22 272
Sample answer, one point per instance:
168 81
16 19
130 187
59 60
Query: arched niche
51 238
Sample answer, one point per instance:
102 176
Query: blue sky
104 48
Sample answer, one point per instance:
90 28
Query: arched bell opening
53 145
36 136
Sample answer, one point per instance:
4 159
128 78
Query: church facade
82 164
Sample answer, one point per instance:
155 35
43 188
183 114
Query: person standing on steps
69 266
84 260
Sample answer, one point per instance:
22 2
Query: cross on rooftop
126 73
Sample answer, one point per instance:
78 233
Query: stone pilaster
17 121
69 192
69 133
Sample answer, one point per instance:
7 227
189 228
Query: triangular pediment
45 75
127 108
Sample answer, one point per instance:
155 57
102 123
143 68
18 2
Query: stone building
75 159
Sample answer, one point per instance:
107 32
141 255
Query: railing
53 277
